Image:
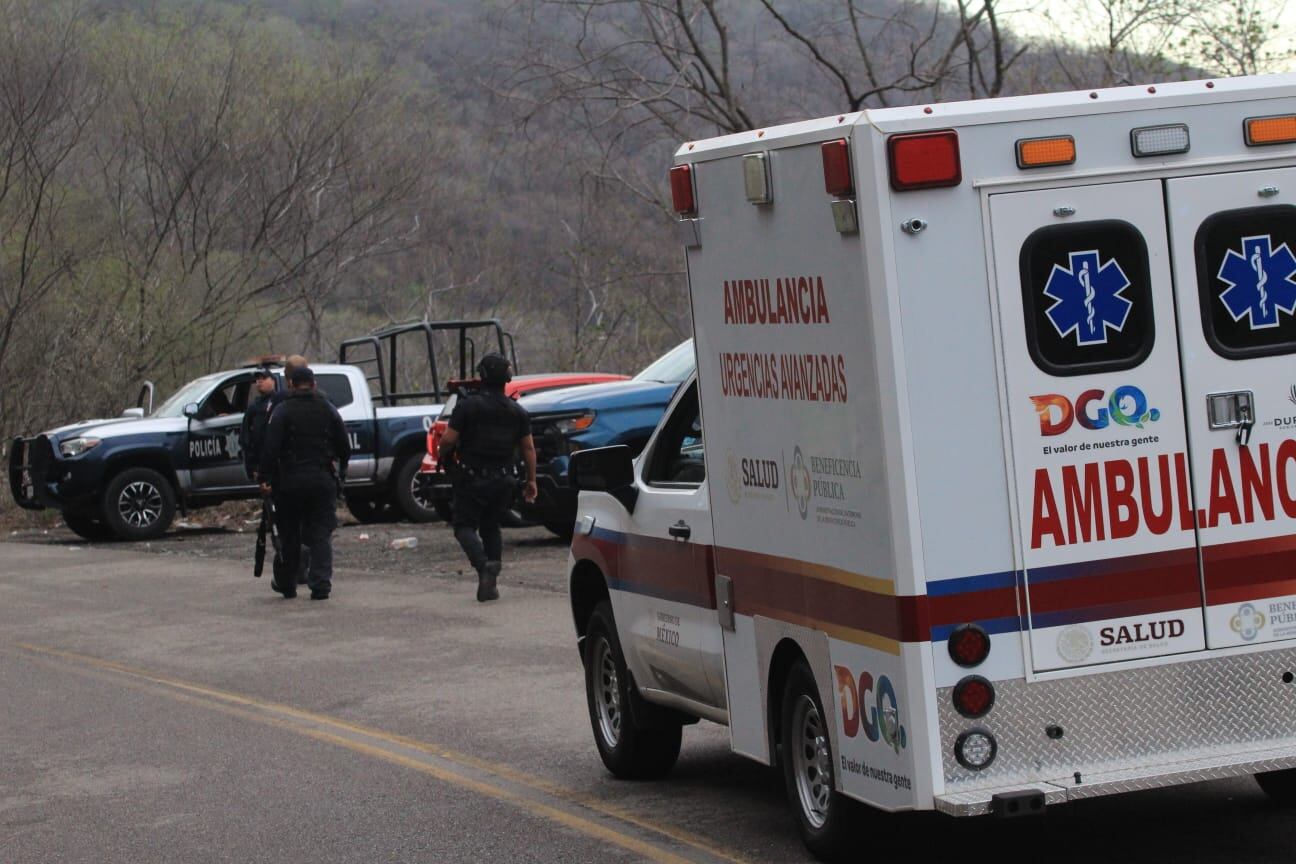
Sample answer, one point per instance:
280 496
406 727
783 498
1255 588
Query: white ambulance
983 498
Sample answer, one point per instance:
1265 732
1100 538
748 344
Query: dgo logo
870 708
1128 406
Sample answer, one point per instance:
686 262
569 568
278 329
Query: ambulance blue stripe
968 584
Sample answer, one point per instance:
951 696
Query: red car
522 385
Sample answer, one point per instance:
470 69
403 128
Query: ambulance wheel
1280 786
87 527
628 752
414 490
139 504
823 814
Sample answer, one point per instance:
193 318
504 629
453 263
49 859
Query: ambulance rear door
1234 241
1095 415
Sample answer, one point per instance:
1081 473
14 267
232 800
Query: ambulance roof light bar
924 160
1262 131
682 196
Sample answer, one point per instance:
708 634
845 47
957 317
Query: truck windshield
191 392
672 367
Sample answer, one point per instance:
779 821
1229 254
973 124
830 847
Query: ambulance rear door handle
680 530
1234 410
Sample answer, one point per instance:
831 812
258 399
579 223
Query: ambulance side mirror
605 469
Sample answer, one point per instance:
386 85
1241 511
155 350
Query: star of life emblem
1087 297
1261 281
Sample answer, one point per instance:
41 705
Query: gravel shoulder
533 557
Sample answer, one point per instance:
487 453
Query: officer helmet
494 370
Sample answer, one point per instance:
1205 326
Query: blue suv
596 415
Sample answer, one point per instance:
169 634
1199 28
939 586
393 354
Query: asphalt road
168 707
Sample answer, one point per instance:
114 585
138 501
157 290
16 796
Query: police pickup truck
126 477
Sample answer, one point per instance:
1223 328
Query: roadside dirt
532 556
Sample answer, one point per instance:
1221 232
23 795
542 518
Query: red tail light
924 160
969 645
681 182
836 168
974 696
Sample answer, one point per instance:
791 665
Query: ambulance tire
1280 786
824 816
629 752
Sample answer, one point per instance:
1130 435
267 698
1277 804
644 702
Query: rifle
267 527
258 560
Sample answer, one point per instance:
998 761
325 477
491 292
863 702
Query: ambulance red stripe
788 589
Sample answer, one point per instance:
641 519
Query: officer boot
486 582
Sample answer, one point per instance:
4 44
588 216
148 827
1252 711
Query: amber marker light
1043 152
1261 131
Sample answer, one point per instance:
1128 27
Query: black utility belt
496 471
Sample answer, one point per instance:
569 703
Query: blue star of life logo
1261 280
1087 297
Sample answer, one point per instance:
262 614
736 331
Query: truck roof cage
376 355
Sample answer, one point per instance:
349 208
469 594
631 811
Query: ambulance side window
1246 279
1087 298
677 456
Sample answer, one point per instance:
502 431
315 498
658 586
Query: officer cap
262 373
494 369
303 375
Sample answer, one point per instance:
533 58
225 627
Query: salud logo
733 482
1261 280
1087 297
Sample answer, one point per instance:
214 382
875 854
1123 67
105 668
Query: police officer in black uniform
486 431
305 452
257 417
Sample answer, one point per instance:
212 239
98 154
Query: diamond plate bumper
978 803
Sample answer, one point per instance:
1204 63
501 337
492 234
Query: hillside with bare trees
183 185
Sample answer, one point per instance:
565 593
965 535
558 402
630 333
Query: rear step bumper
982 802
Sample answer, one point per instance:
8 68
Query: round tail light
974 696
969 645
975 749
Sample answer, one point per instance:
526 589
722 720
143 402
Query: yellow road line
278 715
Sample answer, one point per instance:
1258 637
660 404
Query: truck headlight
77 446
572 425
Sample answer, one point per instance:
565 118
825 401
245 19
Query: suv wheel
369 511
628 752
139 504
413 490
87 527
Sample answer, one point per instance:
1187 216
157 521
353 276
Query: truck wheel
628 752
1280 786
413 490
139 504
87 527
823 814
368 510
